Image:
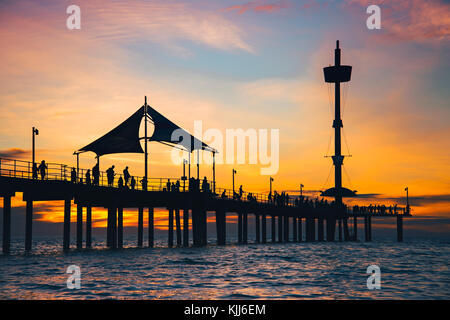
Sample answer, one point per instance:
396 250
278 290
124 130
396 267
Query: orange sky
249 65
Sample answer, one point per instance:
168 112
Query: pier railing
60 172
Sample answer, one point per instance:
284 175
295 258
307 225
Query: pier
296 219
286 222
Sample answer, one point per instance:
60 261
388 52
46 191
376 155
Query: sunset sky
237 64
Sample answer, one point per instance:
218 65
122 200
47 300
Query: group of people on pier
378 209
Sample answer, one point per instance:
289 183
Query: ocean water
416 269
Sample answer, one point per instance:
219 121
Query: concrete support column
300 233
286 228
240 227
170 240
340 228
280 228
346 232
114 228
178 226
355 228
273 230
399 228
264 228
331 228
257 228
186 228
120 227
140 230
366 228
29 226
245 228
79 226
66 230
320 235
6 224
88 226
221 226
151 229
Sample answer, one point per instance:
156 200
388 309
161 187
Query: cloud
14 153
259 6
165 23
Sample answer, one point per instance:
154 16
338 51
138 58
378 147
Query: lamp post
35 133
184 175
407 200
77 153
234 172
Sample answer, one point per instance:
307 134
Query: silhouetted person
240 192
205 186
110 175
88 177
144 183
177 186
42 168
168 185
120 183
126 176
224 195
96 175
35 171
133 183
73 175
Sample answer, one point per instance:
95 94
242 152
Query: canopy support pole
214 171
146 152
198 164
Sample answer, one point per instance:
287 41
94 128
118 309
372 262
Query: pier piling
273 229
170 240
264 229
294 229
186 228
355 228
66 230
29 226
300 231
114 228
280 228
331 228
221 226
257 228
286 228
245 228
6 224
340 229
120 227
151 230
399 228
88 226
320 234
178 226
239 227
140 230
79 226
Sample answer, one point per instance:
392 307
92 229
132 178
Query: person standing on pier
96 175
144 183
126 176
73 176
133 183
120 182
43 168
110 175
88 177
35 171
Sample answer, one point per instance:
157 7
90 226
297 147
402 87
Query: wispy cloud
259 6
14 153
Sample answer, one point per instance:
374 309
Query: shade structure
125 137
122 139
345 193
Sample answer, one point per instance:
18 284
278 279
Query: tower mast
146 152
337 74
